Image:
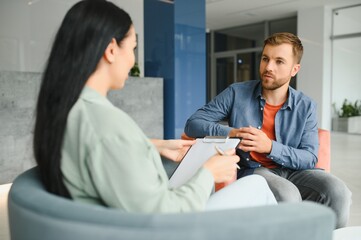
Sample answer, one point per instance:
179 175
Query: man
278 127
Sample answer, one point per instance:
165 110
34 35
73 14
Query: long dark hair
86 31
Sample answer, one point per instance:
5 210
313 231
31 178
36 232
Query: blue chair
36 214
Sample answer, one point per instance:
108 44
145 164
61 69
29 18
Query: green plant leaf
350 110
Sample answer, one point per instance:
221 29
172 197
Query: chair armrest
324 150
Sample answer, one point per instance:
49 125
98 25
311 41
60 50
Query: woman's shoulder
103 119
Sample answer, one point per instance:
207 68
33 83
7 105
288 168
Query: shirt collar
90 95
258 91
290 99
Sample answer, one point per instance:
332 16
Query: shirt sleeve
304 156
128 174
205 121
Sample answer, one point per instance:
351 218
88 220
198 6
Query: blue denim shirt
296 144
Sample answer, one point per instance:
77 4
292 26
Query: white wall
314 79
330 71
27 31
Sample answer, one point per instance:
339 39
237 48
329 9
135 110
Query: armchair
36 214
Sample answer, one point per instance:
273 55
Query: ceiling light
33 2
167 1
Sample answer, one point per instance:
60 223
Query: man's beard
271 85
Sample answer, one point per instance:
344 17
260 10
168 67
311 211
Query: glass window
225 73
346 71
238 68
283 25
249 36
346 52
347 21
248 66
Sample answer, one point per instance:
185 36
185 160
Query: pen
220 152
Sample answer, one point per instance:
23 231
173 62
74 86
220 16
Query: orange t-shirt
268 127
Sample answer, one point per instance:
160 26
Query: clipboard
197 155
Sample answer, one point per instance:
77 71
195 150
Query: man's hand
253 139
173 149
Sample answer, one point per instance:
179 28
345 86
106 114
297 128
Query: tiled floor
345 164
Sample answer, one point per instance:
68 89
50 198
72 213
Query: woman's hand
173 149
223 167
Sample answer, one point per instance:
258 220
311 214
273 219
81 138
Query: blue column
174 48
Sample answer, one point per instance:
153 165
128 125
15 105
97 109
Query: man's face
277 66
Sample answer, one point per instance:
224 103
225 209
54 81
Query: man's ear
295 69
109 53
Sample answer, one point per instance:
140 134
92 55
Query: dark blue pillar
174 49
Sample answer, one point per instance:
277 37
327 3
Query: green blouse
108 160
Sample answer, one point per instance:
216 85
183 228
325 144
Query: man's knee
333 191
338 197
283 189
330 191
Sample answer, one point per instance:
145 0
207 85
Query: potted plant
349 117
135 72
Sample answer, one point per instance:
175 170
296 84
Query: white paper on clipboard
197 155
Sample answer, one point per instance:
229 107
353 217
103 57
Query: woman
90 151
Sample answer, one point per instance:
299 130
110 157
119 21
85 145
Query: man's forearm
201 128
293 158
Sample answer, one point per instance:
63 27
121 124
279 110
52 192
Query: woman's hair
86 31
285 37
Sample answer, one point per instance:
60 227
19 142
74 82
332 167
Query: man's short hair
285 37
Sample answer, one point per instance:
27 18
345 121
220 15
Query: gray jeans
313 185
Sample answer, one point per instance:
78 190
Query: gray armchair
36 214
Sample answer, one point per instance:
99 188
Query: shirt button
247 159
272 158
261 108
283 164
259 127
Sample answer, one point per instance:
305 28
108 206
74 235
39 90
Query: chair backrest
36 214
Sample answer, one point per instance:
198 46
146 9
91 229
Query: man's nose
270 66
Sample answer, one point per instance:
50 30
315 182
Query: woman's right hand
224 167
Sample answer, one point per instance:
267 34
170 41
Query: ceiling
229 13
